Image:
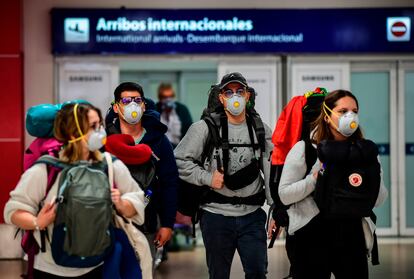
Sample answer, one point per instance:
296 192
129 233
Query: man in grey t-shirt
231 217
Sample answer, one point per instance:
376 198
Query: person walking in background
173 114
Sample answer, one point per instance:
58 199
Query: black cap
233 77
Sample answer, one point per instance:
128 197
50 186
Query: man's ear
115 107
221 99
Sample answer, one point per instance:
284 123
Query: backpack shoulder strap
111 128
225 146
109 160
51 161
213 138
259 130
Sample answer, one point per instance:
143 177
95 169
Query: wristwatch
35 224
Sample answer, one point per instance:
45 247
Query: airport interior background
34 69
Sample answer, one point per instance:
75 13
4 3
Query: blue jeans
223 235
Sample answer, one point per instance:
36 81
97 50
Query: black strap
374 252
43 241
256 199
225 142
258 126
251 135
111 129
274 236
259 130
213 139
226 145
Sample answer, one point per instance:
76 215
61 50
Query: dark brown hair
320 127
164 86
127 86
65 129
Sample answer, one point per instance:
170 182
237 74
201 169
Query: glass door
374 85
406 151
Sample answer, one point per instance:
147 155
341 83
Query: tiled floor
397 262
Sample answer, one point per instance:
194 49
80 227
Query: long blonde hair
65 130
320 127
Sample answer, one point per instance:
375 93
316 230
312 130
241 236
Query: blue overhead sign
132 31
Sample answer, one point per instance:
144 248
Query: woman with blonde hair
31 207
331 205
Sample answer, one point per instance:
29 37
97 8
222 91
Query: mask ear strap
75 113
326 113
119 111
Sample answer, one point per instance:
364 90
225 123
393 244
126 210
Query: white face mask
132 113
236 105
97 139
347 123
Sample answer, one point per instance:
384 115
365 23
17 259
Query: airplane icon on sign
76 29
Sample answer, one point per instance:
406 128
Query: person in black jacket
173 114
132 115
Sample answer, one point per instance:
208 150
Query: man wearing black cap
231 218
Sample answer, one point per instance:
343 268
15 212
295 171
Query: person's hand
46 215
316 172
117 201
163 235
218 180
271 228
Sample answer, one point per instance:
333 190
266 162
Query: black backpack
349 183
190 196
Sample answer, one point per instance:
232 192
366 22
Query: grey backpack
83 230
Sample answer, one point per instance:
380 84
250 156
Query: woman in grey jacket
326 245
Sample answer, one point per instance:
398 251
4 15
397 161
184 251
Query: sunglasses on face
127 100
228 93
